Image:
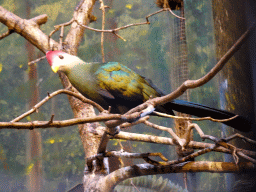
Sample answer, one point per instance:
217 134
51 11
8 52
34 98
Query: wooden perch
146 169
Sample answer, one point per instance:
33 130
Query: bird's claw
144 113
147 111
115 131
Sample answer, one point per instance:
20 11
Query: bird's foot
144 113
147 111
114 131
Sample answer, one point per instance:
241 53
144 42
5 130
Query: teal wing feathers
118 81
113 84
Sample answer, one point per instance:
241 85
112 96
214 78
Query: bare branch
220 142
194 119
176 15
49 96
39 20
187 158
57 27
79 5
241 154
237 135
111 30
169 130
168 141
126 26
61 38
143 138
37 60
127 155
57 124
199 166
29 29
102 7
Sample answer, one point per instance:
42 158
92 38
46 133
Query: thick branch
146 169
29 29
40 20
6 34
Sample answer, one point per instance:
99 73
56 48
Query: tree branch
114 31
57 124
168 141
194 119
6 34
38 105
121 174
29 29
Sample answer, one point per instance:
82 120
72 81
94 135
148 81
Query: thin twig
37 60
237 135
61 37
112 30
220 142
187 158
195 119
134 185
241 154
57 27
102 7
217 141
175 14
169 130
57 124
122 153
49 96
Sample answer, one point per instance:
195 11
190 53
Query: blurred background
168 51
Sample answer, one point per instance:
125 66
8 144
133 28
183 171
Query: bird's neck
74 65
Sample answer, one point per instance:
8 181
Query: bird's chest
85 84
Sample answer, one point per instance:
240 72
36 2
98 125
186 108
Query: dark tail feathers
240 123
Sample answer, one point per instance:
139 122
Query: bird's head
61 61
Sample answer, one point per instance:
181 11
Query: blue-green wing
118 81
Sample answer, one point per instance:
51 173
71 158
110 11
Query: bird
113 84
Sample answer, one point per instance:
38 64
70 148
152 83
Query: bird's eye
61 57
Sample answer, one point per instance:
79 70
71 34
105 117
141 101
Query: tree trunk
34 145
230 23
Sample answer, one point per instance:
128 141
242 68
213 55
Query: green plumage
113 84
